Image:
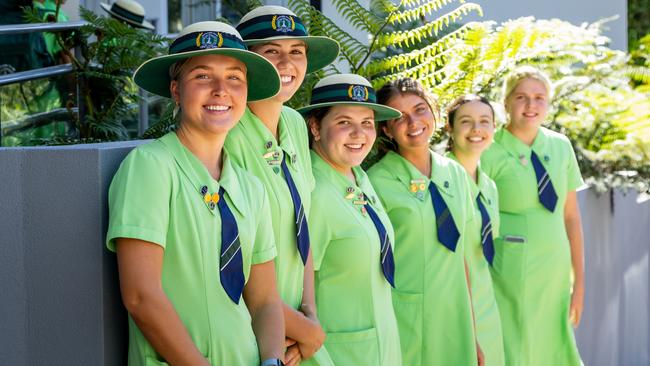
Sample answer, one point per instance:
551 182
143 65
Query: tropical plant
410 38
595 104
109 52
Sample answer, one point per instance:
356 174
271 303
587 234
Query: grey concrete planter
59 292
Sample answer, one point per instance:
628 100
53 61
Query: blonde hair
526 72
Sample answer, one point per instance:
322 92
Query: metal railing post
143 112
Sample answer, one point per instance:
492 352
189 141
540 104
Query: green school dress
352 295
252 146
431 296
532 264
156 196
486 311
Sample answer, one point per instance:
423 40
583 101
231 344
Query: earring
177 109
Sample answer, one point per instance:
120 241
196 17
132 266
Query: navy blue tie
231 271
448 233
302 232
545 190
487 242
386 252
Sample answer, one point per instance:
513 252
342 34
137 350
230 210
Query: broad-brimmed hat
209 38
348 89
129 11
267 23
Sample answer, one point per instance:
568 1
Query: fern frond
421 11
431 29
358 16
318 25
640 74
431 54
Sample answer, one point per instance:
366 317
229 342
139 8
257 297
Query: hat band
267 26
343 93
197 41
115 8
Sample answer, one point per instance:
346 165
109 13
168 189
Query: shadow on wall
615 323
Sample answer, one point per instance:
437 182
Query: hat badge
206 40
358 93
283 23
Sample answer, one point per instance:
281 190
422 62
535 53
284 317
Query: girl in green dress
351 236
470 122
536 173
194 248
427 197
271 142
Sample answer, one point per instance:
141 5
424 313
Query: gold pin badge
207 197
414 187
349 196
360 202
268 155
423 186
215 197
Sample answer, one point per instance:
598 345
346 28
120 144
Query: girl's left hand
577 303
292 356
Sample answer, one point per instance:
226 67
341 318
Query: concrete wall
574 11
615 322
60 297
59 302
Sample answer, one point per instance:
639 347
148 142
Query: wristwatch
272 362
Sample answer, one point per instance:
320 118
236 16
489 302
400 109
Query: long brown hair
394 89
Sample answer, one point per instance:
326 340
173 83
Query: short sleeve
574 178
139 199
319 232
264 248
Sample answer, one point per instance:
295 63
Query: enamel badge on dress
523 160
418 186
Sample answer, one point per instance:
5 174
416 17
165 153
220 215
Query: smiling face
290 59
211 91
414 129
344 136
527 105
472 129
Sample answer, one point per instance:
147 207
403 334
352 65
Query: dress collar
199 176
414 180
351 191
264 141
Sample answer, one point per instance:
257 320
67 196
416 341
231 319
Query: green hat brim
321 51
382 112
144 25
262 77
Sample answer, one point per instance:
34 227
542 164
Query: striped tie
302 232
386 252
487 242
231 270
448 233
545 190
